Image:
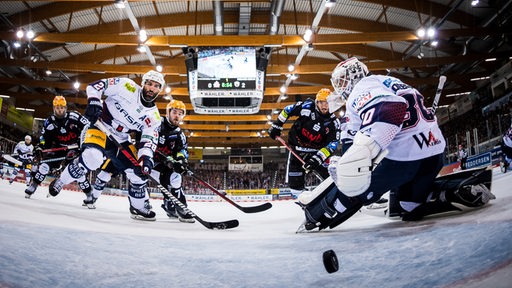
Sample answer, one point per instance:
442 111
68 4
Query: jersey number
415 110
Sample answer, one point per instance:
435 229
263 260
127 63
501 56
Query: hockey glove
312 162
38 154
93 109
274 131
146 164
180 164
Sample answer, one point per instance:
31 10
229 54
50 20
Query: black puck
330 261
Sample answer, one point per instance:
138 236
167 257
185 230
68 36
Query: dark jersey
59 132
311 129
171 141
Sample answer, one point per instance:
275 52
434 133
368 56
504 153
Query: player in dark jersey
61 130
172 143
314 136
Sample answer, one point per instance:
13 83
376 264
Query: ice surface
55 242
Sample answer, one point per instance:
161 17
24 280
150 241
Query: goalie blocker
453 192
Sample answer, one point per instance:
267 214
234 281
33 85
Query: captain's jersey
372 108
24 151
124 113
311 131
65 131
171 141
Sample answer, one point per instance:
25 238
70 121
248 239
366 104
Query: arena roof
87 40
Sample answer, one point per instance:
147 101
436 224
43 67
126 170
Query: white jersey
507 138
371 109
123 112
24 151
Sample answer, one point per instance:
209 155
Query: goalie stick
252 209
298 158
442 80
210 225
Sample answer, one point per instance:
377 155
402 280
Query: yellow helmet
322 94
176 104
59 101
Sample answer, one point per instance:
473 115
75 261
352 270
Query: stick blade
256 209
229 224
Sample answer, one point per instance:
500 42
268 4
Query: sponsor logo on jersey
311 137
128 117
129 87
71 136
361 100
113 81
427 141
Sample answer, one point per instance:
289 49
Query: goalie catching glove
354 169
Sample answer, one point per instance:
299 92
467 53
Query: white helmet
154 76
346 75
28 139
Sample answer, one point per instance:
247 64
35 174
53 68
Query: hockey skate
89 201
142 214
170 210
30 189
184 217
54 188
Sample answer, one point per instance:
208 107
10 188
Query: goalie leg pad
335 206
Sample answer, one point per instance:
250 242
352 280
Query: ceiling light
431 32
490 59
307 35
76 85
291 67
30 34
16 44
282 89
330 3
48 72
20 33
159 68
167 90
143 35
120 4
434 43
420 32
5 96
141 48
474 3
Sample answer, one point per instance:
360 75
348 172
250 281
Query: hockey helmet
28 139
155 76
322 94
59 101
346 75
59 106
176 104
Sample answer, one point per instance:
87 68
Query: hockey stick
439 90
252 209
74 146
12 159
299 158
210 225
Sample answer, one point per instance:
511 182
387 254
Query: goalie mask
346 75
60 106
152 83
175 112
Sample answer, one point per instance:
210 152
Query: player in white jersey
127 108
24 152
506 150
397 145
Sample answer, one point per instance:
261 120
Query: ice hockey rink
55 242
